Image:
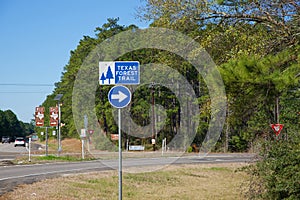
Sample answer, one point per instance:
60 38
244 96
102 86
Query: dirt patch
69 145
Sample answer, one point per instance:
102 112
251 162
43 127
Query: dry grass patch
218 181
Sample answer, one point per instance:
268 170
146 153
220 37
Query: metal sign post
86 122
58 98
82 136
119 97
46 141
29 150
82 149
114 73
120 156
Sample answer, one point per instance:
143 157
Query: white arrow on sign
121 96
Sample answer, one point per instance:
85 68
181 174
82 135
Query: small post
277 110
82 136
46 141
85 119
277 114
82 148
162 147
29 150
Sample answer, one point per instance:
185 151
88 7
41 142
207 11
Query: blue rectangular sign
127 72
119 72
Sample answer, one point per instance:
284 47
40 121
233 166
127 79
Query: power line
27 84
22 92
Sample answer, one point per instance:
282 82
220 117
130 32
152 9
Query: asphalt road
10 176
9 152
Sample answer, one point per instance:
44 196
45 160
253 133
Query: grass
23 160
181 182
58 158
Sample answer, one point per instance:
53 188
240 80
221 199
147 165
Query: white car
19 141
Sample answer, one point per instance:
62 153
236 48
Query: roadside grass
180 182
23 160
71 153
61 158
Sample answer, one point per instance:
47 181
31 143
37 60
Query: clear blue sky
36 39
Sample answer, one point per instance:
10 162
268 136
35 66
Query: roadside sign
277 128
119 96
153 141
39 116
91 132
82 133
119 72
136 148
114 137
53 116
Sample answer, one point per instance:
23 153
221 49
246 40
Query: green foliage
276 175
65 86
252 85
59 158
189 149
280 18
255 59
11 126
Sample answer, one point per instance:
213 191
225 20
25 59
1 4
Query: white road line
52 172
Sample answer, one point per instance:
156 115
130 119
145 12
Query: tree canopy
11 126
254 44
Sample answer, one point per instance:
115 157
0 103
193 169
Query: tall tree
14 124
281 17
4 124
11 126
252 85
77 58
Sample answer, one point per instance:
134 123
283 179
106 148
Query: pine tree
109 74
102 78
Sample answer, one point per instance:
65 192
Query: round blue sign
119 96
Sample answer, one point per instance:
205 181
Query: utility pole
58 98
277 110
153 116
226 146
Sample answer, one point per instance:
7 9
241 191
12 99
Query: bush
189 149
277 173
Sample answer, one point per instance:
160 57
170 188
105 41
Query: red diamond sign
277 128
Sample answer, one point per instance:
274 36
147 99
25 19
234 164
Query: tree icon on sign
102 78
109 75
